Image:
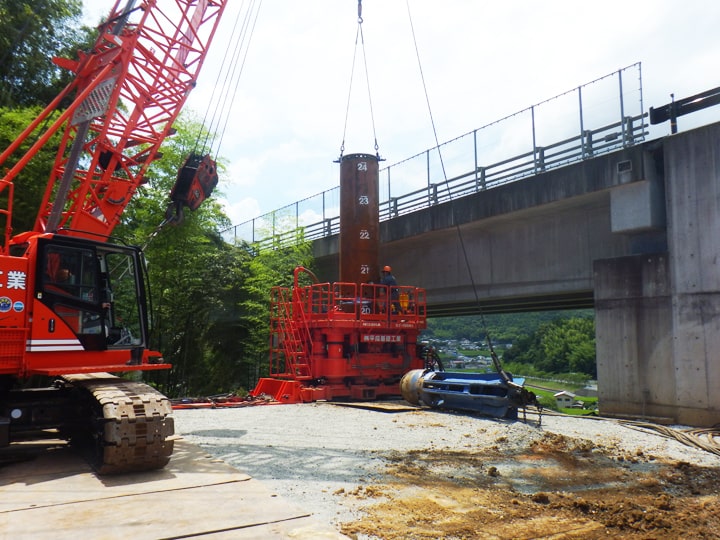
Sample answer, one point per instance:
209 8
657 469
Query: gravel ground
313 454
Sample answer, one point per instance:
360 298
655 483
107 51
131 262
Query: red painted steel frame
342 340
354 338
130 90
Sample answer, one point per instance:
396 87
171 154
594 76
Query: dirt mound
559 487
413 474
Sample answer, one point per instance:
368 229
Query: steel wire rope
689 437
227 104
496 361
218 103
222 71
230 72
359 35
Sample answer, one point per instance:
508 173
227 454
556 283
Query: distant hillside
504 328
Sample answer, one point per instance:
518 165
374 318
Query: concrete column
658 316
633 323
692 179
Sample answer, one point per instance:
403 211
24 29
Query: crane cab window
95 290
71 272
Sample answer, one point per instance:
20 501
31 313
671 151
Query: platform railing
366 302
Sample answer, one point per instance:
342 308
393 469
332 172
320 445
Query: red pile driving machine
350 339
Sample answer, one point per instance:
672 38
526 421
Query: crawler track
130 426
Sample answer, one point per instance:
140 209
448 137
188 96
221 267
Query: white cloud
241 210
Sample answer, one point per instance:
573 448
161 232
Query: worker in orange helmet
387 277
389 280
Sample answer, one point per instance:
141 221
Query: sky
435 70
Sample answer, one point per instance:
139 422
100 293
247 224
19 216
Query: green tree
194 274
560 346
31 34
198 286
211 298
269 269
30 183
504 328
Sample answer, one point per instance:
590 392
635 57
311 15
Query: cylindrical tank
333 368
359 218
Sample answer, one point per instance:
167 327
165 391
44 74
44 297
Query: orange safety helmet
387 269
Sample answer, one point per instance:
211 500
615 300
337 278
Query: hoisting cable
496 361
223 73
232 76
361 38
217 113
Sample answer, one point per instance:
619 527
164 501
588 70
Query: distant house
566 400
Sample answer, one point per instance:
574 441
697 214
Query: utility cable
359 37
496 361
707 439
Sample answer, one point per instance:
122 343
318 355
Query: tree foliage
31 33
195 276
269 269
210 298
31 181
503 328
542 342
561 346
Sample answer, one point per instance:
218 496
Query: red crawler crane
352 339
72 305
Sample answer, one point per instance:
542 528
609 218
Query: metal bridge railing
291 224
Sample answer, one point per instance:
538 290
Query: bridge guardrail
626 130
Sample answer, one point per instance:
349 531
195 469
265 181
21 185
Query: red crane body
72 303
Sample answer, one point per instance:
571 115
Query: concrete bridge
634 234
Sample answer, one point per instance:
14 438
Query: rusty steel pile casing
359 218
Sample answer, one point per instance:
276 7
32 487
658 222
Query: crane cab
79 308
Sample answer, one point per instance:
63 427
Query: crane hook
360 19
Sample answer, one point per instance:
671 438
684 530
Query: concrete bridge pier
658 315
